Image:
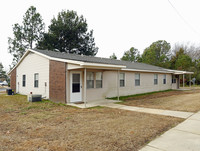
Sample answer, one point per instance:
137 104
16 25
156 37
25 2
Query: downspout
183 81
18 87
85 89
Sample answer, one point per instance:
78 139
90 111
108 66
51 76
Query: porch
176 79
87 85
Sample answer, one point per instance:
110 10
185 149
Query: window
173 79
164 79
36 80
122 79
155 79
75 82
90 80
137 79
98 79
24 80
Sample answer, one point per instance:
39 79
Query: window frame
164 79
155 79
23 80
36 81
173 79
122 73
90 80
98 80
137 83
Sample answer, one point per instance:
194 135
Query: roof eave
81 63
25 54
86 64
100 65
181 72
139 70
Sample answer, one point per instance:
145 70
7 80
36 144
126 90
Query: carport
177 74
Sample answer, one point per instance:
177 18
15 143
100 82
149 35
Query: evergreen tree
27 34
131 55
113 56
2 72
69 33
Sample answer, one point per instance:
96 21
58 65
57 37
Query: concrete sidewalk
111 104
183 137
149 110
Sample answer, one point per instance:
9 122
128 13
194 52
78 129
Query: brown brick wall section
57 81
13 80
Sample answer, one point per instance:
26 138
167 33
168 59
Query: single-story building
69 78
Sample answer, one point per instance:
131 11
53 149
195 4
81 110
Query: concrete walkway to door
149 110
111 104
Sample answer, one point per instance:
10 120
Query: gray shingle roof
91 59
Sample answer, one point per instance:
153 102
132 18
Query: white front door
75 86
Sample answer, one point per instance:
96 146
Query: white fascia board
45 56
184 72
56 59
189 72
25 54
81 63
139 70
86 64
181 72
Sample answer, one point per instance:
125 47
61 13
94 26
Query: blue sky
117 24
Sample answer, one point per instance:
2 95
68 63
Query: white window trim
35 80
93 79
165 78
96 80
138 79
155 79
123 79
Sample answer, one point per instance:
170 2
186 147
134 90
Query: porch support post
84 97
183 81
190 80
118 85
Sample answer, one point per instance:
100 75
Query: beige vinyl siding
175 85
32 64
110 85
